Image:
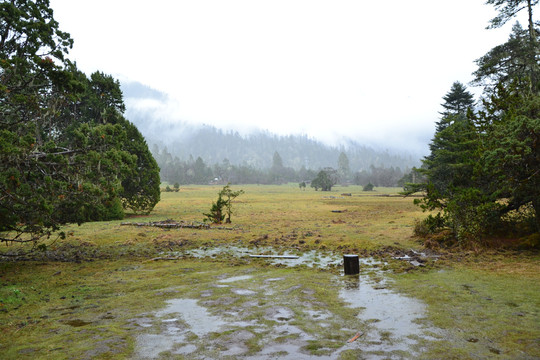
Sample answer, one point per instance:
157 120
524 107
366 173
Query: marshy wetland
116 291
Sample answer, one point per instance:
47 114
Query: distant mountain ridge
255 149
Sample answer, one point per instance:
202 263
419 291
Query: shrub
368 187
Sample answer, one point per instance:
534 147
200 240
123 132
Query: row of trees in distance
173 170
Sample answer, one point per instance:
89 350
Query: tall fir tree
457 102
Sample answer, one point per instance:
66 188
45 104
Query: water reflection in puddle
390 322
192 314
393 318
235 278
173 338
312 258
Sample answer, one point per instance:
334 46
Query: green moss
482 312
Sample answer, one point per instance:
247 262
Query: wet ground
257 315
273 256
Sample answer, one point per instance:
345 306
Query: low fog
156 116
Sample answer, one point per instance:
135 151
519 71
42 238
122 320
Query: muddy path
286 313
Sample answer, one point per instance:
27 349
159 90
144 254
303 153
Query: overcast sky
374 71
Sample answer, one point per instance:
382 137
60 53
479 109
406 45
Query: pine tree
456 104
344 170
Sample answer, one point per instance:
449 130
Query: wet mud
270 315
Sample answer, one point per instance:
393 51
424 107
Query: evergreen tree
344 170
229 196
103 103
521 52
457 101
325 180
511 62
217 213
58 162
140 189
222 208
368 187
277 170
512 157
482 166
454 187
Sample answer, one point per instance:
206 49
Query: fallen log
171 224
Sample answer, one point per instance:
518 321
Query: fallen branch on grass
172 224
169 224
356 336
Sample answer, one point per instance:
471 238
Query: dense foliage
325 179
483 172
66 152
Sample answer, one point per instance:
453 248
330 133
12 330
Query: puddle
271 320
244 292
393 318
312 258
192 318
279 314
195 316
235 278
416 258
288 349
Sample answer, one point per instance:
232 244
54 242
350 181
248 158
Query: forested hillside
189 153
255 148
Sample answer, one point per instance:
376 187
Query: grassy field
94 294
276 215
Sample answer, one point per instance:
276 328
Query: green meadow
103 292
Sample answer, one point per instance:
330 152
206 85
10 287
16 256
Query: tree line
482 176
67 153
213 145
197 171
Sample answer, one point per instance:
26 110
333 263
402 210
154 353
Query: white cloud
372 71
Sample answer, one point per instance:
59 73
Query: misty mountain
136 90
153 114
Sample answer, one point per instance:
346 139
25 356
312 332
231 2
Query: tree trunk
532 32
534 46
536 206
